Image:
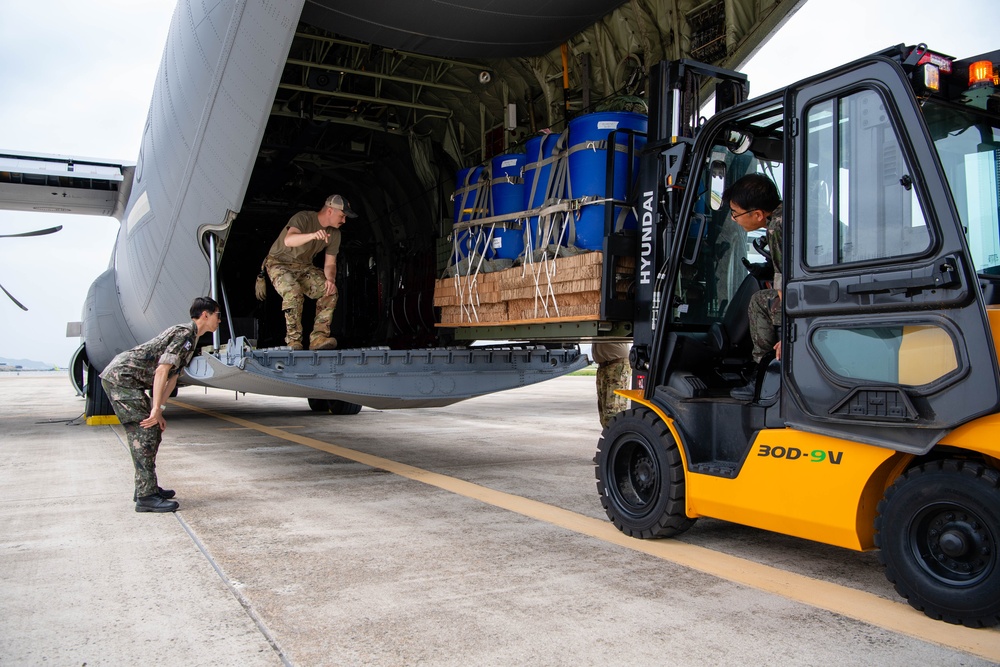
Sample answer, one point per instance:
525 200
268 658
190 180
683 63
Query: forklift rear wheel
938 529
640 476
333 406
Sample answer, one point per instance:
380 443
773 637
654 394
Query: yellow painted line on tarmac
251 428
852 603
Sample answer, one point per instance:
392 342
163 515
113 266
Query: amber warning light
981 74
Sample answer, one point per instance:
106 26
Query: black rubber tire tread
333 406
319 404
970 486
663 515
338 407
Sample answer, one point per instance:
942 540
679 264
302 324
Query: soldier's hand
151 421
154 419
321 235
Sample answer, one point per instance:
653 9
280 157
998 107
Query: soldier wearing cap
290 266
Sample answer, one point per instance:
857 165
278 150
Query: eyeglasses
736 216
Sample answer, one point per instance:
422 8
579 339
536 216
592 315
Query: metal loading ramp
379 377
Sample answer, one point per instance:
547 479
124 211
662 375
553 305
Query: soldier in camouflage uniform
290 266
754 204
153 366
613 372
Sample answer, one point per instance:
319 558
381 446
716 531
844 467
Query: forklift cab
885 338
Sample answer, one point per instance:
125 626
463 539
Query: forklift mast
676 90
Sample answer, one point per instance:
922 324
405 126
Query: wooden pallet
566 289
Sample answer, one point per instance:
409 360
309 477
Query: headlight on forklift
932 78
933 65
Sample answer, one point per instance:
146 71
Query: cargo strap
623 211
510 180
596 146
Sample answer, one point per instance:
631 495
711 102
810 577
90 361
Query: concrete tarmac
466 535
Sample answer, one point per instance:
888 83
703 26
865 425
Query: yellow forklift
879 426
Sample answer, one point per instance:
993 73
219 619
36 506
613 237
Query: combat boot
322 343
160 491
155 503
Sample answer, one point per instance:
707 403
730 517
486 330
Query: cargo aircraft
261 109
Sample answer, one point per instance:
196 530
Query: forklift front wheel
938 529
640 476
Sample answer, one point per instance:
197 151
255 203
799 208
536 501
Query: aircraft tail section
211 102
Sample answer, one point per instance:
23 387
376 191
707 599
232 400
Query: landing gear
938 529
333 406
640 476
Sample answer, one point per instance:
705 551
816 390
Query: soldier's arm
295 237
330 271
163 385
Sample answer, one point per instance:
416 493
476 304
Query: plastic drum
506 190
588 136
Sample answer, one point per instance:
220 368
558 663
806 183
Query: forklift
878 427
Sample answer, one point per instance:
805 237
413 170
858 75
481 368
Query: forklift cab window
861 203
968 143
714 247
909 355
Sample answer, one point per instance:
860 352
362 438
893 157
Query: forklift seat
730 337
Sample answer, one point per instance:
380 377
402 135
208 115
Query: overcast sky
77 78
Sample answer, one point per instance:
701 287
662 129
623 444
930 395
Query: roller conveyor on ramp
379 377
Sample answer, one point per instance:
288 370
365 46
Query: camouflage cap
341 204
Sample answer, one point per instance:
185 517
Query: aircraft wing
63 184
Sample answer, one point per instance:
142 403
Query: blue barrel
506 190
470 200
588 168
538 176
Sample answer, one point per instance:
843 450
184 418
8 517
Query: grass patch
589 370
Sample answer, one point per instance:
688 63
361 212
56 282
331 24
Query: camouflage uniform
613 372
295 277
126 380
765 305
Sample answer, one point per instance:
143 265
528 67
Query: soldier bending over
154 365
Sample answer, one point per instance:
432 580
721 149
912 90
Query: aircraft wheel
344 408
938 528
333 406
319 404
640 476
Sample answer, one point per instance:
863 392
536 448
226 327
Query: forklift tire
640 476
938 531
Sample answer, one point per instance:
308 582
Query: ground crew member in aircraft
295 277
613 372
154 366
754 203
